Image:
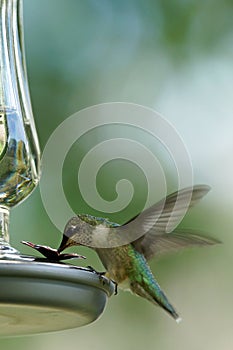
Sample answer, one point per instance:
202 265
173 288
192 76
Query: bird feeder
35 295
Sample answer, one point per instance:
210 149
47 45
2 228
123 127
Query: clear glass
19 147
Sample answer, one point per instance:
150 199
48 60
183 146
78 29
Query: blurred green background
175 57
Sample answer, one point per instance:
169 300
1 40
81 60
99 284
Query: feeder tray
37 297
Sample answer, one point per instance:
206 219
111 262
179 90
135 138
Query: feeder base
38 297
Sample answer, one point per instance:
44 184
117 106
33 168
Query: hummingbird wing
159 222
172 242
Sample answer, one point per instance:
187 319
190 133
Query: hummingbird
127 264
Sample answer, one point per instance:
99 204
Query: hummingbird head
77 232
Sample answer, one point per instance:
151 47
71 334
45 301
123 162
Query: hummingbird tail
164 303
154 294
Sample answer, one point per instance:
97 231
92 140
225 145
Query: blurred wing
157 221
172 242
166 213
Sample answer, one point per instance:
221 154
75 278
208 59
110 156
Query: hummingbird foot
95 271
100 275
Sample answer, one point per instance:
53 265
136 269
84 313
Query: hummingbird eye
72 227
71 230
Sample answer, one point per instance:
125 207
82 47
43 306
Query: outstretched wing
159 234
172 242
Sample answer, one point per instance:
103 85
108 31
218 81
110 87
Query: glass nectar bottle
19 147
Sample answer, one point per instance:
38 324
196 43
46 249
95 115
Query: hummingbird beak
64 243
